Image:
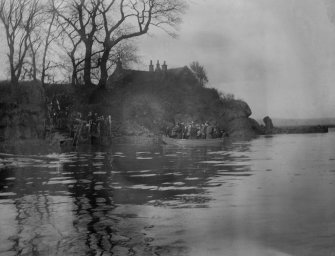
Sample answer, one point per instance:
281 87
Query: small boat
192 142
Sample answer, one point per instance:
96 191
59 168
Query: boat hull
192 142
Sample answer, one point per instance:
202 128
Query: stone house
155 73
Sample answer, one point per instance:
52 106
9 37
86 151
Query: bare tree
52 33
132 18
75 61
19 20
125 51
199 72
81 16
35 43
46 32
70 43
101 25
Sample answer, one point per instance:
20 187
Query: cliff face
22 116
158 100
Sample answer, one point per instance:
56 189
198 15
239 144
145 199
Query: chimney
151 67
158 66
164 66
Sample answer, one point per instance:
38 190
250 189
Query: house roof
121 75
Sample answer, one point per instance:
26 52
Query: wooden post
77 135
110 125
99 132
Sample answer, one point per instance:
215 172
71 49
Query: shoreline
36 146
301 129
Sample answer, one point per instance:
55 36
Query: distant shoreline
299 129
290 122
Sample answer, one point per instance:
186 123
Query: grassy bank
22 111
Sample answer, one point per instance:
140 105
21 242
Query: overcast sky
277 55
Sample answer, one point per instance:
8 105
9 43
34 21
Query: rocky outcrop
238 123
236 109
236 120
241 128
268 128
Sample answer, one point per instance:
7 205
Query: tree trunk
13 77
34 68
74 79
33 72
15 84
103 68
47 42
43 77
88 64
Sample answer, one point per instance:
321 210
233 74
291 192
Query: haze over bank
279 56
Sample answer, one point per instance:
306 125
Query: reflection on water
270 196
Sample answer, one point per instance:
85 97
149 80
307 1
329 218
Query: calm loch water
270 196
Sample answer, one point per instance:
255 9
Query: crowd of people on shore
93 125
192 130
82 127
58 114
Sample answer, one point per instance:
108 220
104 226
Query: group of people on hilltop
192 130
